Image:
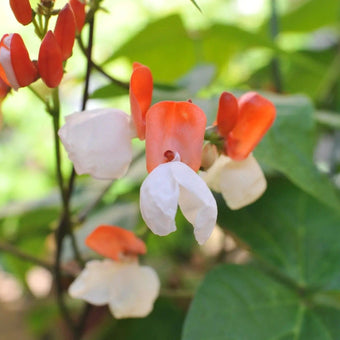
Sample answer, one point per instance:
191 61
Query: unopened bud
22 11
209 155
78 8
50 62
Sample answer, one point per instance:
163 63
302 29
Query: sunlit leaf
240 302
292 232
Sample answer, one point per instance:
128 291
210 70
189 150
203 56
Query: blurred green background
291 48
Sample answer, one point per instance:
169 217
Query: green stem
9 248
37 28
55 111
100 69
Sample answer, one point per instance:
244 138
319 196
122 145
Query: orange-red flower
114 242
65 31
22 10
16 67
141 86
128 288
78 8
175 127
244 125
50 61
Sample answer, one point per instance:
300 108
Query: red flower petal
227 113
141 85
113 241
22 10
24 69
177 127
65 31
78 8
50 61
256 115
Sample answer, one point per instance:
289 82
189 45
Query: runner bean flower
119 281
241 123
98 143
16 67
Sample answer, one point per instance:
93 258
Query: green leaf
293 232
108 91
221 42
164 46
315 14
240 302
288 148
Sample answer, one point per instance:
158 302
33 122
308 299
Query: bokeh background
287 47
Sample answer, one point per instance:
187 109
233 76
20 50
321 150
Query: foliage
289 286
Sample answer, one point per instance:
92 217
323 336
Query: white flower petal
94 282
6 62
171 184
213 174
98 142
195 200
242 182
158 200
133 291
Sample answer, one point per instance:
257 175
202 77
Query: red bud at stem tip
78 8
65 31
22 11
50 62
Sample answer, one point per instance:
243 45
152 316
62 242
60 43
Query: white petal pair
98 142
240 182
171 184
128 288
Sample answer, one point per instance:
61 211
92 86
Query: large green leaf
311 15
288 148
221 42
293 232
241 303
164 46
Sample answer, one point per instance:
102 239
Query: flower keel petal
158 200
195 200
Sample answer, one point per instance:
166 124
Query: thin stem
9 248
100 69
55 111
37 28
275 64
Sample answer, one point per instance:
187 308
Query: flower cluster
16 67
119 281
99 143
241 124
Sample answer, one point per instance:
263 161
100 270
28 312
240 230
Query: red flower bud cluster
17 69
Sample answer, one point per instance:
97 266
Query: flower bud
78 8
209 155
65 31
16 67
22 11
50 61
